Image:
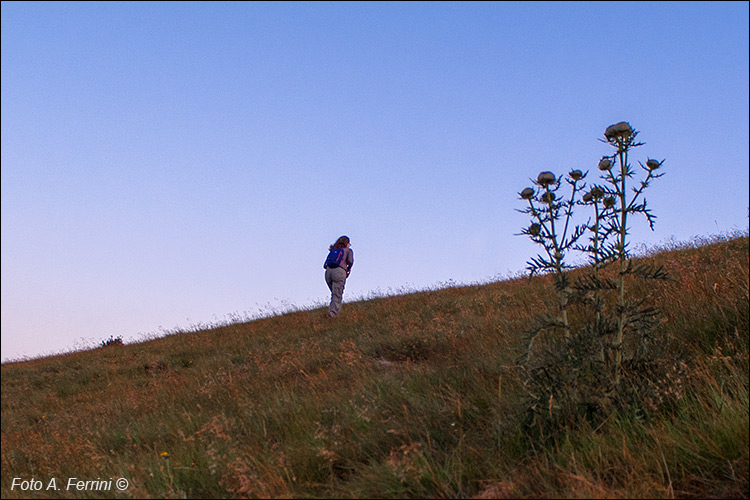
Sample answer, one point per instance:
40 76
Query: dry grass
404 396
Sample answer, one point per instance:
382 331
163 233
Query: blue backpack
334 259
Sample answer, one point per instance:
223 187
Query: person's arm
349 261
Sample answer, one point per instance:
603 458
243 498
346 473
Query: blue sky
166 165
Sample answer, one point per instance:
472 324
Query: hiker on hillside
338 265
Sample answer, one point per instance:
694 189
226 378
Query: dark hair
340 243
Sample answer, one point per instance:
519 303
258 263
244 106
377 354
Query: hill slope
410 396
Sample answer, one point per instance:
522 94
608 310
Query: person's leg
329 279
337 282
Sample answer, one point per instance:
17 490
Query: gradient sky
168 165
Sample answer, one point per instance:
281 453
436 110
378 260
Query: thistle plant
551 219
600 234
610 231
581 372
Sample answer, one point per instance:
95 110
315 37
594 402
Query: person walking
338 265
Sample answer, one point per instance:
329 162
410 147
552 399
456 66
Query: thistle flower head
575 174
605 164
535 229
548 197
546 178
609 202
527 193
653 164
595 194
621 129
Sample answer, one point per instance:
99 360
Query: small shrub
111 341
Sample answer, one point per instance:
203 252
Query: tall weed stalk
549 212
581 374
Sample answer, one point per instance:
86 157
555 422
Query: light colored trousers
336 279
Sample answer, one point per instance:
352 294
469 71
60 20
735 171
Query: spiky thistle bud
609 202
653 164
535 229
527 194
621 129
593 195
605 164
546 178
575 175
548 197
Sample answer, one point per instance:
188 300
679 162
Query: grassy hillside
411 396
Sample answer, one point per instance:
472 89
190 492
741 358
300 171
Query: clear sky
167 165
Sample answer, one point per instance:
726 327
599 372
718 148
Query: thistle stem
597 302
623 153
569 213
557 260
